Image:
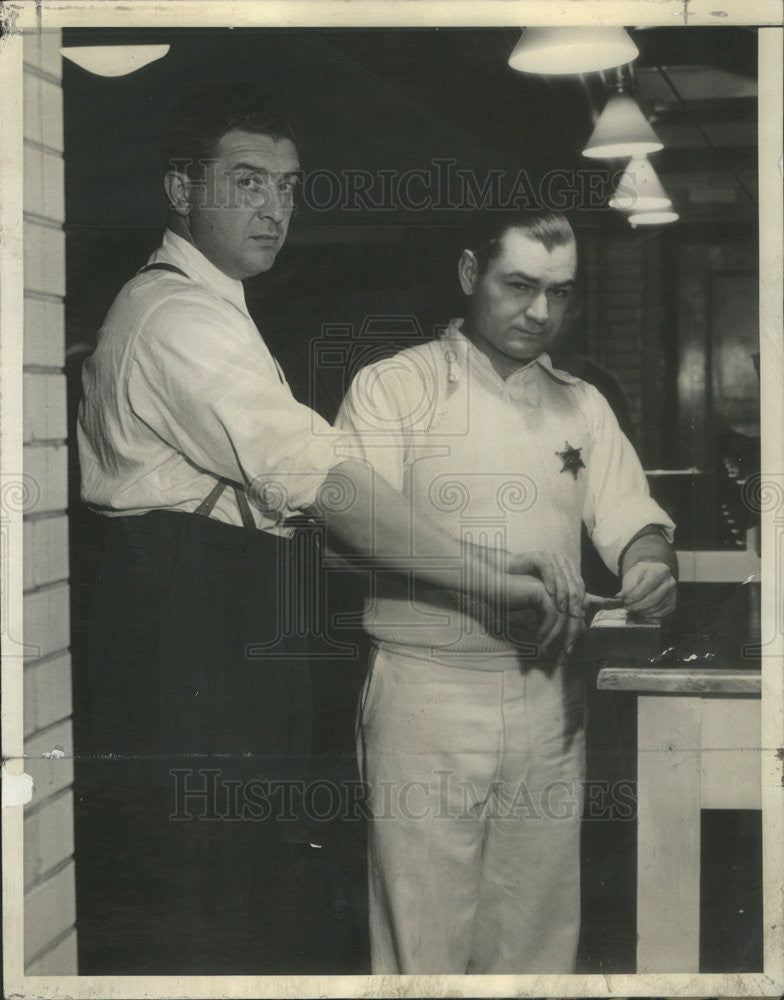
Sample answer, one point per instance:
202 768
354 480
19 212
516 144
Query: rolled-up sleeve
213 393
618 503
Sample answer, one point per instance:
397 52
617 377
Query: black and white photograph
392 499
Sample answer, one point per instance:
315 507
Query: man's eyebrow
265 170
535 281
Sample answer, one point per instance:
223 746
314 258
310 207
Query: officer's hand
522 627
648 590
560 577
527 594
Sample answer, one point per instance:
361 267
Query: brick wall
49 904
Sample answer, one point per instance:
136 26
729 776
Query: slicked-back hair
204 114
486 231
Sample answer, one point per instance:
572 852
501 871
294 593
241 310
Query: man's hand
544 594
648 590
527 596
561 579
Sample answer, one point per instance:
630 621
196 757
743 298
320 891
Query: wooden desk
698 747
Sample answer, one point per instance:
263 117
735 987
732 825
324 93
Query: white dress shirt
517 462
182 389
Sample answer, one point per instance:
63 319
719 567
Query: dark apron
191 853
189 857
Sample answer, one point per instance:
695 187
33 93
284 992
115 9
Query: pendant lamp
640 190
557 51
652 218
622 131
114 60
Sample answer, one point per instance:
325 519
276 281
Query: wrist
650 549
497 559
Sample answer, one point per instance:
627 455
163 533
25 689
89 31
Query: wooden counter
698 747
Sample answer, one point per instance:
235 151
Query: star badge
571 459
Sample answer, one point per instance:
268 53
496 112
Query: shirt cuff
613 534
649 529
297 482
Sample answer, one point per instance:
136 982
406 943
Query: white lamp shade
640 190
557 51
114 60
622 131
652 218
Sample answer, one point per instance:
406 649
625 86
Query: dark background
668 314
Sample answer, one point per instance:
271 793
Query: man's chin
263 259
528 351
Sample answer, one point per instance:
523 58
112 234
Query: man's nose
537 310
273 205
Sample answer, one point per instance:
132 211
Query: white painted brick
47 625
43 111
50 774
45 416
28 563
42 49
47 693
54 186
44 258
48 837
60 961
44 333
45 551
33 178
46 469
49 909
44 183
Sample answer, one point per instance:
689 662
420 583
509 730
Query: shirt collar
175 249
466 353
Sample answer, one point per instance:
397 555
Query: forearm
650 570
367 517
650 548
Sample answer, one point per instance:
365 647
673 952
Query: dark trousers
190 855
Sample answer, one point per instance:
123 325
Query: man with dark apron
193 847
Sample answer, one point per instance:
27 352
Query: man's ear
178 192
468 271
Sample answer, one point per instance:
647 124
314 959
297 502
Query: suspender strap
244 506
163 266
208 503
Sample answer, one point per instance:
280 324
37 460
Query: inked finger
561 585
575 588
651 599
557 627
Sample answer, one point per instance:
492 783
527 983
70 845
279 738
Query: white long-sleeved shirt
517 462
182 389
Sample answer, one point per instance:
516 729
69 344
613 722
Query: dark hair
486 230
204 114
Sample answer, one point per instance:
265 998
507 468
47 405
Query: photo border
28 16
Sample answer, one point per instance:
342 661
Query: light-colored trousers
475 776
